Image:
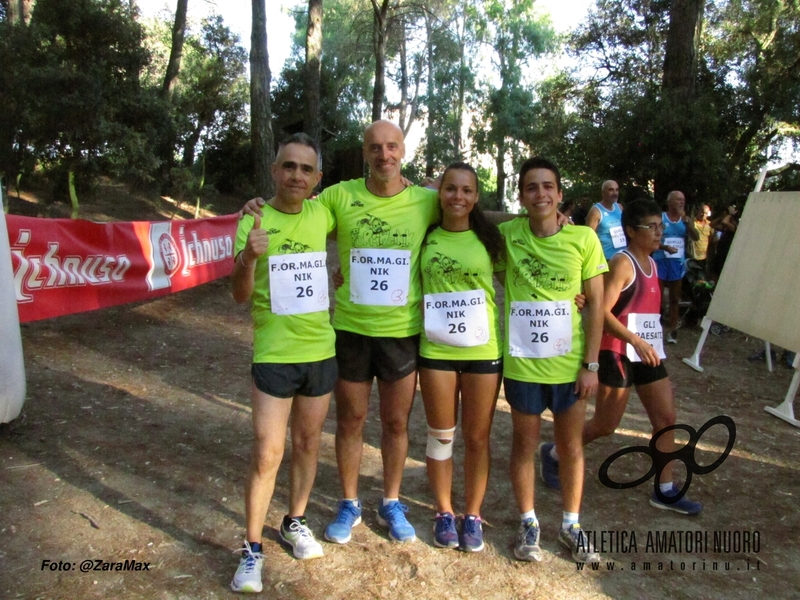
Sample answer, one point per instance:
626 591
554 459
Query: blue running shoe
349 515
683 506
393 516
471 534
444 531
548 466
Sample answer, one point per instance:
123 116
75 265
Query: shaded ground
134 439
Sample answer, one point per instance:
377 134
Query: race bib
675 242
457 318
379 277
298 283
647 327
618 237
540 329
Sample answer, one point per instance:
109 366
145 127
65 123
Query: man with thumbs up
281 267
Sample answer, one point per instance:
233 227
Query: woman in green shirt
460 350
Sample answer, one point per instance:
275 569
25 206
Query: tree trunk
200 185
680 59
403 81
677 93
431 95
19 11
190 145
261 135
176 52
500 160
379 30
462 86
313 117
73 194
408 104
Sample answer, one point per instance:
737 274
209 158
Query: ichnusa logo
660 460
169 258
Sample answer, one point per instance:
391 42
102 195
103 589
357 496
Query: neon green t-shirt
291 337
379 242
454 266
544 336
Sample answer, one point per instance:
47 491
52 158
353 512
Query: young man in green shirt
550 357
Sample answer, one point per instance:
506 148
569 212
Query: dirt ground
135 435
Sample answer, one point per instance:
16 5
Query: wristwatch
593 367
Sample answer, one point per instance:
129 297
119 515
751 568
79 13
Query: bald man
605 218
380 226
676 228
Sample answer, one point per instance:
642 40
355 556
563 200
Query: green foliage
213 91
516 34
413 172
745 99
79 80
80 88
229 162
346 76
16 52
487 182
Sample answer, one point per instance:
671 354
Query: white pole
785 410
12 367
761 177
694 360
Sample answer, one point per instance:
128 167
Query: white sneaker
248 576
300 538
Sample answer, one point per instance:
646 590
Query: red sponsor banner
65 266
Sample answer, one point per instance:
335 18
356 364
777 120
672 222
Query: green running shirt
290 338
379 241
539 273
455 262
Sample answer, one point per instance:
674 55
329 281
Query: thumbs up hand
257 243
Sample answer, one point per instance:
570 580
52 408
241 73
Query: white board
758 291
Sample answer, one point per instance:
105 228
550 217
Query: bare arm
620 275
245 265
593 218
586 385
691 230
433 183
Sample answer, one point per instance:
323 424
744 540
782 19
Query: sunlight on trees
657 95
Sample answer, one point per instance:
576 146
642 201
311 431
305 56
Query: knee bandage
440 443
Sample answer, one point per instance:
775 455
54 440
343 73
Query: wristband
241 261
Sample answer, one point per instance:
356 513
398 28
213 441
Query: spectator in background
605 218
580 212
698 249
567 209
725 225
671 256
